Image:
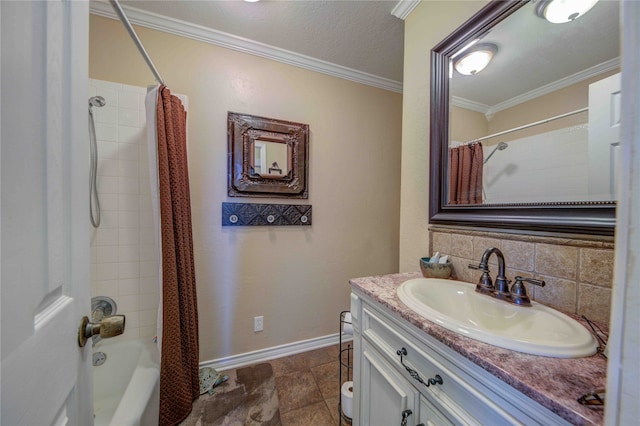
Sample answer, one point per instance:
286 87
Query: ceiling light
252 1
561 11
476 59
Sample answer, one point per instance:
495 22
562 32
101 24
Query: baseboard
262 355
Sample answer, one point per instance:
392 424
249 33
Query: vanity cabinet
394 362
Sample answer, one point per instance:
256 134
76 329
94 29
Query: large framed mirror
528 143
267 157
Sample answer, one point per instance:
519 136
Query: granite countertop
555 383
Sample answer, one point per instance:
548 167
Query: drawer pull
405 416
437 380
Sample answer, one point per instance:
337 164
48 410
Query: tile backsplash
578 272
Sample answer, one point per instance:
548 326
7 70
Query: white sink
535 329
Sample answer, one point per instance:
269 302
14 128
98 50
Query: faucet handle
519 291
479 267
485 284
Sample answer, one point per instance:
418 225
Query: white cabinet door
46 376
385 396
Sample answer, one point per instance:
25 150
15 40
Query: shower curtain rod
136 40
526 126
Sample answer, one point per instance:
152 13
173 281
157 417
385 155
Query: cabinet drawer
464 402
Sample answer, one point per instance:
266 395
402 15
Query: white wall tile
108 166
107 132
108 254
107 149
130 253
107 114
130 135
128 287
129 219
117 258
128 117
128 100
128 202
128 270
148 317
107 271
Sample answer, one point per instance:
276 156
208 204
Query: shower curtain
178 313
465 174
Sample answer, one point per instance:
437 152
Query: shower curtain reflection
465 174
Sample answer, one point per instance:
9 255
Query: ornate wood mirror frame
593 218
249 138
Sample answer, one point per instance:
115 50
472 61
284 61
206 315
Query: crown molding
557 85
489 111
244 45
470 105
404 8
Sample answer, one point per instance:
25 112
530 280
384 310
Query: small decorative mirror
267 157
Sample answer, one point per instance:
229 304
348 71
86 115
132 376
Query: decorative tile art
249 214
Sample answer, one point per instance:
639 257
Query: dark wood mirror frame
575 218
242 131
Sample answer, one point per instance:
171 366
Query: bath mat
247 398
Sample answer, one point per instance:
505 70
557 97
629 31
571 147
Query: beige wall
466 125
567 99
578 271
297 277
428 24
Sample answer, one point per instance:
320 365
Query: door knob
110 326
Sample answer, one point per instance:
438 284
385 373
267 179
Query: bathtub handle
110 326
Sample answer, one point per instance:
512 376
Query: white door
604 137
46 377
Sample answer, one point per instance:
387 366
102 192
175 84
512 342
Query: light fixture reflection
476 59
561 11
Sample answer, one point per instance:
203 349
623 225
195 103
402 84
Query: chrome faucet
517 294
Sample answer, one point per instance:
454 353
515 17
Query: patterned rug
248 398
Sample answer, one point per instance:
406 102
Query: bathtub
126 388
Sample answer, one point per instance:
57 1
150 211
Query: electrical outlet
258 323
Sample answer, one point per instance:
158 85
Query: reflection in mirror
271 159
530 141
553 99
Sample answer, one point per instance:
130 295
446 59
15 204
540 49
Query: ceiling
360 35
363 35
534 54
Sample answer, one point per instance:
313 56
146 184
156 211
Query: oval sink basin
535 329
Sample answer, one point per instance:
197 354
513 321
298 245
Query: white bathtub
126 388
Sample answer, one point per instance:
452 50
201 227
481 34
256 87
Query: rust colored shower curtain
465 174
179 382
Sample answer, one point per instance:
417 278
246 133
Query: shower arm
492 152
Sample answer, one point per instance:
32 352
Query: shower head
500 147
97 101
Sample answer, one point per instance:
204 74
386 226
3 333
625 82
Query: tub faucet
485 285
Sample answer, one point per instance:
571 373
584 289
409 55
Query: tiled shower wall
123 258
578 272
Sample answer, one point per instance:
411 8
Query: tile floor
308 387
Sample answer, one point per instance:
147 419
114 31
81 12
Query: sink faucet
485 285
518 293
